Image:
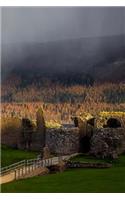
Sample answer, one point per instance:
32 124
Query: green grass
87 158
10 156
75 180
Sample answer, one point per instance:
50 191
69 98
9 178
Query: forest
61 102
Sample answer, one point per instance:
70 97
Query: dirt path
22 173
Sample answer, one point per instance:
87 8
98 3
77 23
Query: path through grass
75 180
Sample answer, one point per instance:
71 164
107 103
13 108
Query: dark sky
40 24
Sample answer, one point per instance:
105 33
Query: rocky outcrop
63 141
108 142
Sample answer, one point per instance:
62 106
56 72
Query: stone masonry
108 142
63 140
85 136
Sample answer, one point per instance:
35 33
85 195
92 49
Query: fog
41 24
24 28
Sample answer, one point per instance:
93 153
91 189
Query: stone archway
86 128
113 123
84 144
85 139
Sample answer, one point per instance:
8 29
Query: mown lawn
75 180
88 158
10 156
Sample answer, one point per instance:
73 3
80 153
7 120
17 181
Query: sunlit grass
111 114
52 124
10 156
75 180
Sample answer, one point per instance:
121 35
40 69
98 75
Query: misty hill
83 60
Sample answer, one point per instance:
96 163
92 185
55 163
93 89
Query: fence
25 167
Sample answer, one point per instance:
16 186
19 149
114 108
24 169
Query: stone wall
37 141
63 140
108 142
75 164
103 142
11 139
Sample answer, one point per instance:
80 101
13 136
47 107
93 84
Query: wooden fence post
15 173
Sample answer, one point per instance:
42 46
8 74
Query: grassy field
88 158
10 156
75 180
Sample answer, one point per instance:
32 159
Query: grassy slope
75 180
10 156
